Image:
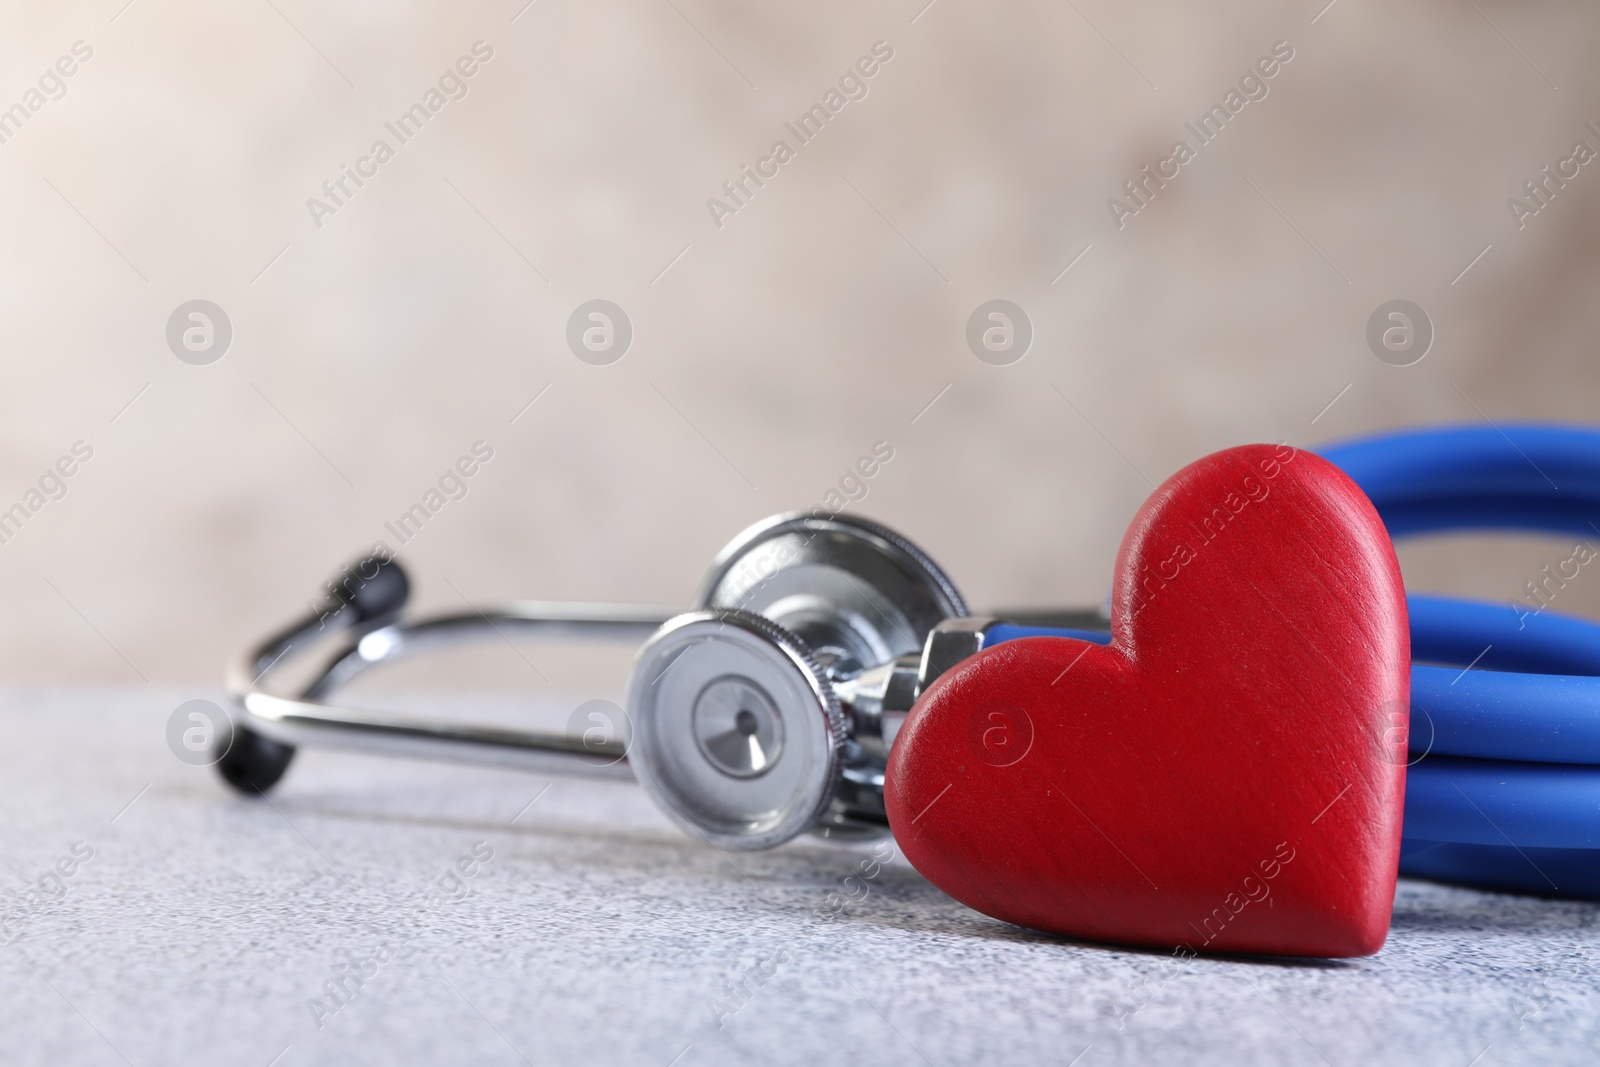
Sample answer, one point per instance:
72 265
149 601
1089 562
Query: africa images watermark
337 192
1543 189
852 86
999 332
1399 332
1251 490
52 485
454 484
51 85
757 567
1252 86
49 888
599 332
1539 593
199 332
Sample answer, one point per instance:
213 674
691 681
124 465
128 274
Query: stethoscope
768 709
764 711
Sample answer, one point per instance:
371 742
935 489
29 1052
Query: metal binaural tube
308 720
548 620
298 722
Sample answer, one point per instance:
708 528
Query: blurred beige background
767 354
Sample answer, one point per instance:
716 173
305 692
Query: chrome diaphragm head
856 592
738 736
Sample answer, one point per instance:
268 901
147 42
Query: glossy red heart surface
1228 774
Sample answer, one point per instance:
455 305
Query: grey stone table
390 912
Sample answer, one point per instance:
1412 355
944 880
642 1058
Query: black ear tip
376 587
253 764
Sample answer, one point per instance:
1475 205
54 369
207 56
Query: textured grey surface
204 924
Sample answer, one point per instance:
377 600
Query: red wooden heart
1228 774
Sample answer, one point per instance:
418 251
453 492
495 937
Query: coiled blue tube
1515 477
1501 637
1498 802
1551 718
1521 476
1549 714
1520 463
1550 872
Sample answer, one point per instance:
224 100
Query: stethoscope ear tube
363 604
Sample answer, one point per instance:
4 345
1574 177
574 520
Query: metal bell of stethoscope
766 710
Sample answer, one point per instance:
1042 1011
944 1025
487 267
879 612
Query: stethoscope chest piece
738 735
857 593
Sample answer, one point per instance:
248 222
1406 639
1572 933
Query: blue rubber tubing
1477 472
1517 477
1549 872
1520 476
